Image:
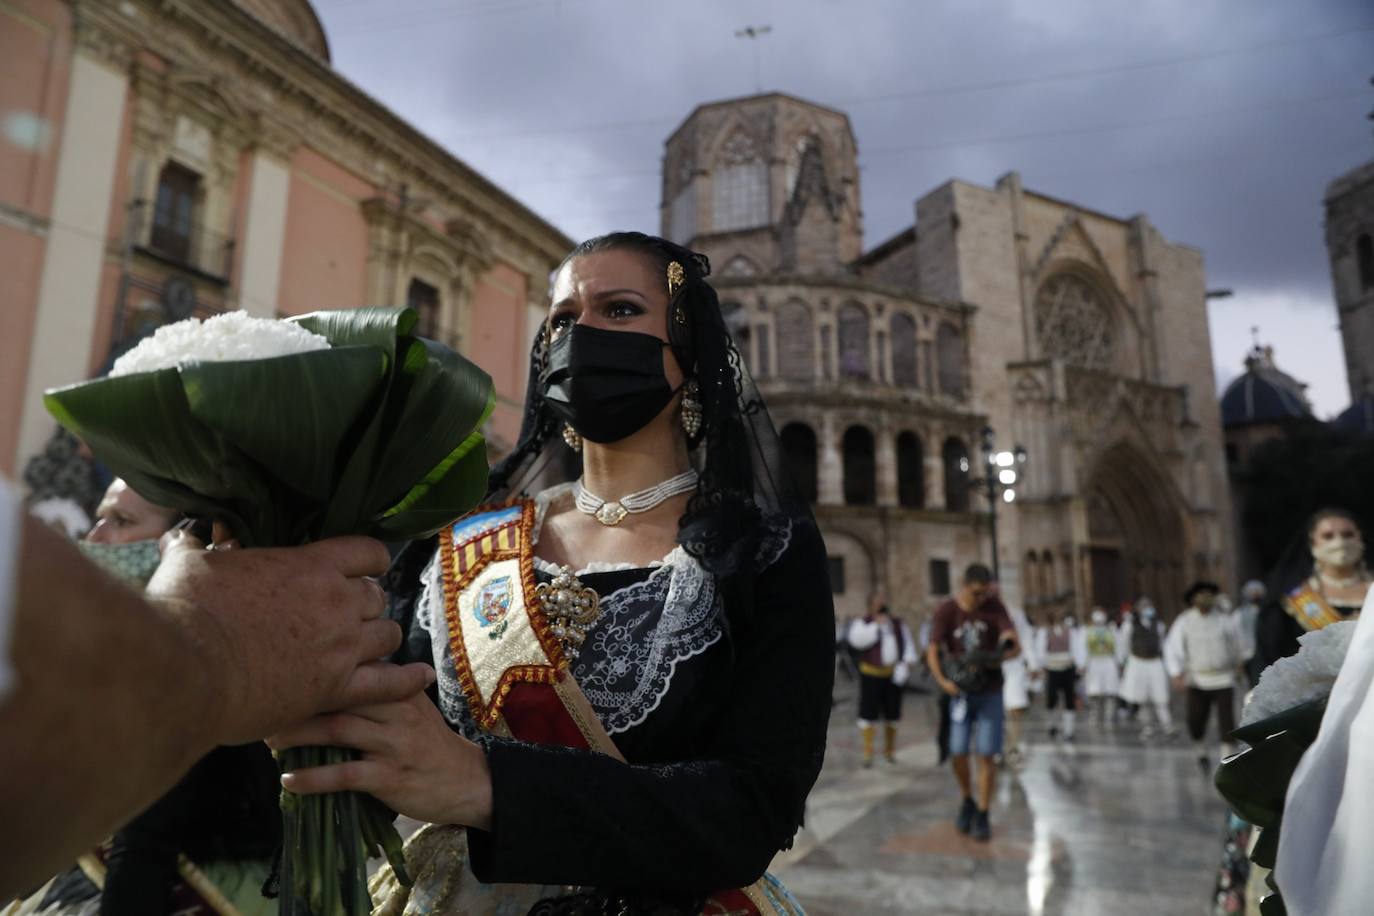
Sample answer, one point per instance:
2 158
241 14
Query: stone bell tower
762 185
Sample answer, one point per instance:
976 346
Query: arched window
955 459
682 220
860 477
949 349
796 340
737 323
903 335
1364 254
739 196
799 448
911 474
853 339
1074 322
1048 586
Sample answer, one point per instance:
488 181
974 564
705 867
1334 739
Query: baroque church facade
1079 335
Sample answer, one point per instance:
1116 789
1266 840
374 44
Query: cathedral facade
1350 244
1079 335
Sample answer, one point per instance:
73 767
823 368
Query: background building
161 160
1350 245
1080 335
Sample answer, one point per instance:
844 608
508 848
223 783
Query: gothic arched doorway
1137 536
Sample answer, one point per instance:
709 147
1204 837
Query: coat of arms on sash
493 605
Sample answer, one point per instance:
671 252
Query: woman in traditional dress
634 667
1101 674
1321 580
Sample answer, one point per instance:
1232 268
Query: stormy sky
1224 120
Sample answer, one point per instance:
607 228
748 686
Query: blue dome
1358 418
1263 394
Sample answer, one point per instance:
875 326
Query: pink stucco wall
499 343
324 257
22 256
35 61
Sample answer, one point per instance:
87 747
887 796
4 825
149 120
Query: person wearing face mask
1101 676
1319 581
1252 595
1145 679
635 665
209 840
1061 653
124 539
1203 655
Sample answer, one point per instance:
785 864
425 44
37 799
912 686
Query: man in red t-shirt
971 635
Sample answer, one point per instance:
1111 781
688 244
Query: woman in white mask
1332 586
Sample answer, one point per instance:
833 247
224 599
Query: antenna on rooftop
754 33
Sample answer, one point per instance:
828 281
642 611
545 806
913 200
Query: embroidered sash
513 672
1307 606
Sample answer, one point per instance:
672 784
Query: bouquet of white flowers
333 423
1279 723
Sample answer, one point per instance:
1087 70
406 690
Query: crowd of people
635 659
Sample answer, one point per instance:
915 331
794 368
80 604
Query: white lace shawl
644 632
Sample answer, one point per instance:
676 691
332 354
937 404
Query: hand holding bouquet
333 423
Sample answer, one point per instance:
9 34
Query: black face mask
607 385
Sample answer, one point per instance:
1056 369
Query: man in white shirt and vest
887 653
1203 656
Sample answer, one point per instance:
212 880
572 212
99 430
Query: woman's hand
411 760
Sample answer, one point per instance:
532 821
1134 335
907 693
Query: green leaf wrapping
379 435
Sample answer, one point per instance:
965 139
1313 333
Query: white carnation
231 336
1300 678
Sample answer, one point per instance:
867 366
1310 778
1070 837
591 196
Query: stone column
886 459
830 468
264 234
73 259
935 469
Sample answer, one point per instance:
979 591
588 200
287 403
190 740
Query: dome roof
295 19
1358 418
1263 394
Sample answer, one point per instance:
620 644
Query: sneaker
982 830
1054 732
967 811
1205 763
1015 758
868 763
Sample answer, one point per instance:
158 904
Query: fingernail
430 676
288 780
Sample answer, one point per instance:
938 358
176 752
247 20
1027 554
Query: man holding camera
971 635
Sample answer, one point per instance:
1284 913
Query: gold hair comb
676 277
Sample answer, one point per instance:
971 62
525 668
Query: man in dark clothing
972 634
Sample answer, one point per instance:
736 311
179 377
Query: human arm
938 628
1078 645
115 697
1175 653
707 817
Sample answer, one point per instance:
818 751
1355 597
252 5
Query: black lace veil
745 488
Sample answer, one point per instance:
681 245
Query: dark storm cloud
1223 121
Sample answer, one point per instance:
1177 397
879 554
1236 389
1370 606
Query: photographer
971 636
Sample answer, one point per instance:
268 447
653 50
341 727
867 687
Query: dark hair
977 574
1322 515
1200 586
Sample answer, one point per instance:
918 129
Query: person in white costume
1016 676
1252 595
1203 655
1101 676
887 655
1061 654
1328 817
1145 680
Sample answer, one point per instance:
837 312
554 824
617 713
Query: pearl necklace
612 512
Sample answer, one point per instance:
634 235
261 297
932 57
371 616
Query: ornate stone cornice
98 32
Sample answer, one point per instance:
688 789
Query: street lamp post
1001 473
